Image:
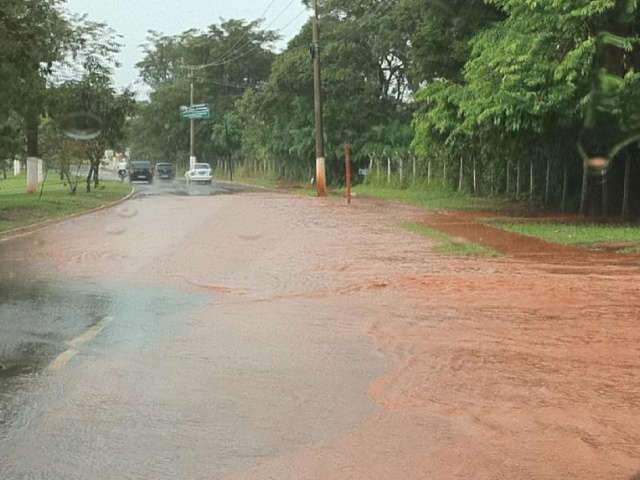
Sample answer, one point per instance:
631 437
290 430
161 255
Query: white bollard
33 174
17 168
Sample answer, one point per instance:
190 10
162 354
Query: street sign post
192 113
196 112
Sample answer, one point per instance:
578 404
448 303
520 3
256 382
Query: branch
622 145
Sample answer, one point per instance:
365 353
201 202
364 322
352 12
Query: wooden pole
348 150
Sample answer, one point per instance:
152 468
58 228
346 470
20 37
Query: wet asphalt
39 312
105 375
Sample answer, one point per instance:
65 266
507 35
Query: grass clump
586 234
432 197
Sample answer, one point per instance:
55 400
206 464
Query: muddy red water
334 344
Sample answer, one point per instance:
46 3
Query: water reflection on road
186 377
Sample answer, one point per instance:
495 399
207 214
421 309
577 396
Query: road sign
196 112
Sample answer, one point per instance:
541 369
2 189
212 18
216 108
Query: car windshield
141 164
371 239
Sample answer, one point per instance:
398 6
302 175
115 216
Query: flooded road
261 335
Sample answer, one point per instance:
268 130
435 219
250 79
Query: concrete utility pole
321 177
192 156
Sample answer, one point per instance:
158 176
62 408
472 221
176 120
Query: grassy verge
269 183
433 198
257 181
447 245
581 234
19 209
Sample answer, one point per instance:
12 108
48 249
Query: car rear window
141 164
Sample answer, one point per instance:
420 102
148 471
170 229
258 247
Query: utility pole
192 156
348 151
321 177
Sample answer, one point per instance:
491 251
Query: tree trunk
413 159
73 186
96 174
585 188
401 169
518 178
444 172
461 175
32 122
508 190
89 177
378 169
627 179
605 194
547 182
388 170
531 181
491 183
475 176
429 172
565 186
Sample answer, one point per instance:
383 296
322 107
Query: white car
201 172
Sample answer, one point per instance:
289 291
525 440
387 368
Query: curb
36 227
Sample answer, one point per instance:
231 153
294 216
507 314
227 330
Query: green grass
19 209
576 234
447 245
270 183
433 198
257 181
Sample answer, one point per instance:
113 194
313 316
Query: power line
229 53
224 59
246 34
252 49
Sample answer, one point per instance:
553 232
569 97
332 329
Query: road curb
37 227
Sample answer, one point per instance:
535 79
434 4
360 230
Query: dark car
141 171
165 171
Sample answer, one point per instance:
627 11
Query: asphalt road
217 332
142 342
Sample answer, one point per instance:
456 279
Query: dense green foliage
56 70
491 97
240 60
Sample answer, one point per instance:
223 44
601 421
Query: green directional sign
196 112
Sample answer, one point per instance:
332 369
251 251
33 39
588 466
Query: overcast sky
133 18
